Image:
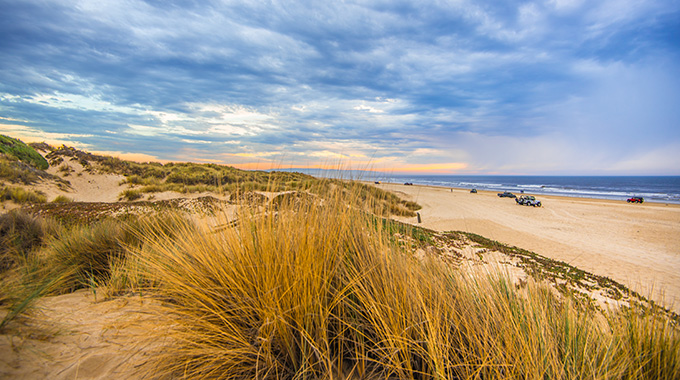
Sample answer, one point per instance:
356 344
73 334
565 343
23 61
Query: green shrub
23 152
154 188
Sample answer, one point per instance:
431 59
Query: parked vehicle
474 191
528 200
635 200
507 194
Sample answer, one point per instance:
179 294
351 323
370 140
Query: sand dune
84 186
73 337
637 245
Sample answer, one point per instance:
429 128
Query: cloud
28 134
145 130
137 157
661 160
440 168
385 80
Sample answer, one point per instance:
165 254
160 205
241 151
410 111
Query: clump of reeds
21 195
62 199
41 257
320 290
130 195
14 172
20 233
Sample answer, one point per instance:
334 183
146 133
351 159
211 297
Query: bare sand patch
84 186
74 337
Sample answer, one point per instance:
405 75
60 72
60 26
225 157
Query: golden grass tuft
21 195
322 291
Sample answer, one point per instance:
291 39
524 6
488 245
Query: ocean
660 189
653 189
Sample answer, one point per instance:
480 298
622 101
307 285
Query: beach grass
324 292
318 285
19 194
20 233
62 199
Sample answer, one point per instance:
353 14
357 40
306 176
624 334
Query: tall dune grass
321 291
19 234
41 257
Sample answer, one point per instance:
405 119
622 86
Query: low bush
19 234
22 152
17 172
65 169
62 199
21 195
130 195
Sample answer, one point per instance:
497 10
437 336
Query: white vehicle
528 200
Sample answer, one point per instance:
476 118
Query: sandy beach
637 245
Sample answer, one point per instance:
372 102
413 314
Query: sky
553 87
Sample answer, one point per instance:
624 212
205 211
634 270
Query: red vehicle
636 200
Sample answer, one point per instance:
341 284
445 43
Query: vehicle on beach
528 200
635 200
474 191
507 194
408 183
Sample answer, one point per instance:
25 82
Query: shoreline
579 191
637 245
536 194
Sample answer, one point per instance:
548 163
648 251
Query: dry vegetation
313 283
145 179
307 287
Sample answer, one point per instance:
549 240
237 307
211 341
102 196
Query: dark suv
507 194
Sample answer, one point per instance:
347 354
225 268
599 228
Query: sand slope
85 187
73 337
637 245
